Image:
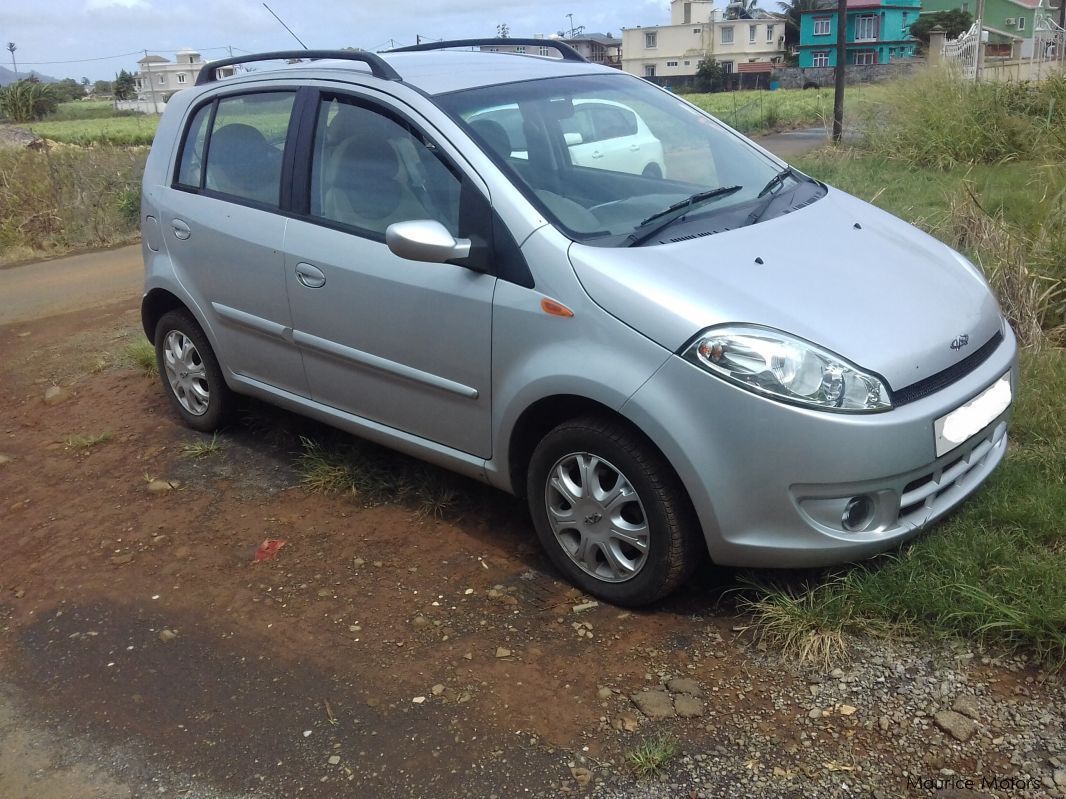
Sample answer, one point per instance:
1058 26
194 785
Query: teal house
878 32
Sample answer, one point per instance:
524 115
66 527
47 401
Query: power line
122 55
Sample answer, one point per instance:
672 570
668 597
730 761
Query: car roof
443 71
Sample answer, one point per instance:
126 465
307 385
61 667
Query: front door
402 343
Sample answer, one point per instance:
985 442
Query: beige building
732 36
158 77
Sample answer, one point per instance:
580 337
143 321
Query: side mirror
573 138
425 240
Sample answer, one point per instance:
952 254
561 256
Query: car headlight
787 368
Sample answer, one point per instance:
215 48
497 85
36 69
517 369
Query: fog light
858 513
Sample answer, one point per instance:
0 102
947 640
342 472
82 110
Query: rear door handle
181 230
310 276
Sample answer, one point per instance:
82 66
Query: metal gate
962 53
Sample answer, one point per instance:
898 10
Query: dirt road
72 283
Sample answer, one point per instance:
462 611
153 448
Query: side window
613 123
370 169
190 170
246 145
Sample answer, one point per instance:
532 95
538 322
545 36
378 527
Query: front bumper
770 481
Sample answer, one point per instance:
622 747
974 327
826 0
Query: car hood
839 272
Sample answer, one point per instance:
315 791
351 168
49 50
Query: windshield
614 161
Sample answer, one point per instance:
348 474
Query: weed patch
141 354
652 755
202 448
82 443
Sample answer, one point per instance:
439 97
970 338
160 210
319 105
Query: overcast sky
73 30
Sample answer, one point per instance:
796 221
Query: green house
878 32
1010 23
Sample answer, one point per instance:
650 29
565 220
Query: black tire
653 171
220 400
673 535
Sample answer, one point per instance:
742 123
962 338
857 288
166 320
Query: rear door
224 232
402 343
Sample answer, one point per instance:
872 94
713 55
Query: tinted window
370 169
605 121
192 151
247 141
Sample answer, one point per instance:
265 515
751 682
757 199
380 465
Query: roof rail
566 51
378 67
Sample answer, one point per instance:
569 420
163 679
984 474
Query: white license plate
963 422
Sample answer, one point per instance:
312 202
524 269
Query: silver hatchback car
723 356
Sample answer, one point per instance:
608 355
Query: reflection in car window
599 154
247 141
369 170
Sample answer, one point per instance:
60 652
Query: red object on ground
268 550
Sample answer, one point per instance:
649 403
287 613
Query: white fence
142 106
1047 55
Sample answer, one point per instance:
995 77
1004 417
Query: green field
125 131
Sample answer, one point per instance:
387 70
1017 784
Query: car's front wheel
610 512
189 370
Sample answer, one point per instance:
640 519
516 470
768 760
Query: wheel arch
154 304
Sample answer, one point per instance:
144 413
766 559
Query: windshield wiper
768 195
666 217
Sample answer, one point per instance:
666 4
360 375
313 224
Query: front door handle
181 230
310 276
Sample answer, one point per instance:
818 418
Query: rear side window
192 152
607 122
244 151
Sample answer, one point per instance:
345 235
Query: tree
792 11
27 101
11 48
954 22
102 87
709 75
125 88
68 89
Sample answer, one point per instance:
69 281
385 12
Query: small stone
629 722
419 621
688 707
582 776
960 727
418 700
167 635
502 652
5 459
334 760
307 733
585 606
468 656
604 692
378 564
684 685
1060 777
325 592
54 395
967 706
847 710
161 486
884 723
120 560
654 704
816 713
359 563
437 689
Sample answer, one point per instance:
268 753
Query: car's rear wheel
652 171
610 512
189 370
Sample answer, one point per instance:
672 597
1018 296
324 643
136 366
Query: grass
374 475
126 131
88 109
762 111
202 448
67 198
141 354
83 443
652 755
993 574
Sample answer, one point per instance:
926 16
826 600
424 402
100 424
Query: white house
157 78
738 39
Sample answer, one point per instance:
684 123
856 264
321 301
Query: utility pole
571 18
980 64
418 38
842 58
151 83
11 48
